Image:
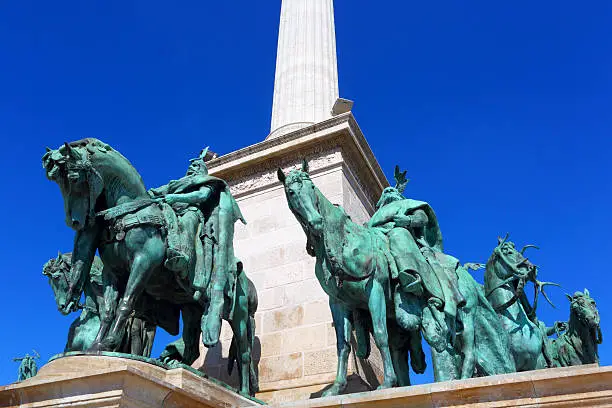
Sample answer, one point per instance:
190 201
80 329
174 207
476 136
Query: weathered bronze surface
391 278
173 244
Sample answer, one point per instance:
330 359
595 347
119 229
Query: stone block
226 331
282 319
97 381
317 312
271 298
291 394
258 323
283 275
271 344
306 291
320 361
330 331
303 338
279 368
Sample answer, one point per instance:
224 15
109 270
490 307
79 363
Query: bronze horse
94 177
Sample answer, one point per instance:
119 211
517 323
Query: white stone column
306 80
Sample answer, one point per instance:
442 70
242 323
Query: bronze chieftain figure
391 277
205 207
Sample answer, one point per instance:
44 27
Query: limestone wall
295 344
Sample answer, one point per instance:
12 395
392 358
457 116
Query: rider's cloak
220 212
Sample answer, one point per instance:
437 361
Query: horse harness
117 225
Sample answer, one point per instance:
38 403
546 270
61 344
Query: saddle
120 219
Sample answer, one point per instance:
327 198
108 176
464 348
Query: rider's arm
194 197
159 191
377 220
415 220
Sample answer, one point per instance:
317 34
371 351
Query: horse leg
468 344
253 377
239 326
107 306
417 356
342 323
191 313
146 260
399 354
378 310
442 353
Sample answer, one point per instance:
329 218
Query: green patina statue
352 266
140 331
174 243
507 272
578 345
390 278
27 366
167 253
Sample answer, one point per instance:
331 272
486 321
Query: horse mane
96 266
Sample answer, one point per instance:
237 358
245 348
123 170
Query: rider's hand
402 220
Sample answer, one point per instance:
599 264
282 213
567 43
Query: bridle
63 268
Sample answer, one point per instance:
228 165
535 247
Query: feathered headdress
400 180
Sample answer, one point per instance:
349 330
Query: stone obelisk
306 80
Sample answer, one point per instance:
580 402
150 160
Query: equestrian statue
173 243
140 329
392 279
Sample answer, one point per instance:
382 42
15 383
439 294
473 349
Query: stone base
581 386
102 381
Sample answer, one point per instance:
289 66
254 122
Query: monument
296 262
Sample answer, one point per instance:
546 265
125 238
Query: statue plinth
578 386
105 381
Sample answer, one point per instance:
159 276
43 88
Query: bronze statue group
167 254
390 278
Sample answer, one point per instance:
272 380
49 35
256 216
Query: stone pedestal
580 386
295 343
99 381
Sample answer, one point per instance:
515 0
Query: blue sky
500 112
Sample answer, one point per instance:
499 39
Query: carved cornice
332 142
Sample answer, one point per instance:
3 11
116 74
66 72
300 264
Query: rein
336 269
522 280
63 270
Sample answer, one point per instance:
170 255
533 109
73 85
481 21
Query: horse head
81 185
509 263
583 309
303 199
58 272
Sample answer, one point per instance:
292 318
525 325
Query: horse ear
569 297
68 149
304 166
586 292
281 175
72 152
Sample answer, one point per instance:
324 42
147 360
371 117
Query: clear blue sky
500 111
